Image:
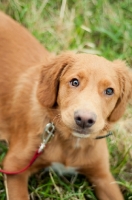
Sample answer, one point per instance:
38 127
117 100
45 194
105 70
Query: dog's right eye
109 91
74 82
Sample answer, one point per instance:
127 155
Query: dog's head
88 91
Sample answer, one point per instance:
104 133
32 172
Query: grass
100 27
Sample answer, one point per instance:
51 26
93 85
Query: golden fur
36 88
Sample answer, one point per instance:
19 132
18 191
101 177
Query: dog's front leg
106 188
16 186
16 159
104 184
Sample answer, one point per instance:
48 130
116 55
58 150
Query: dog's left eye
109 91
74 82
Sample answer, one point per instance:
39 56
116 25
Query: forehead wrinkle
105 83
76 71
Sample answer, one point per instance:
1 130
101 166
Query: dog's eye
74 82
109 91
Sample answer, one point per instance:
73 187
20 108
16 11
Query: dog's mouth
81 133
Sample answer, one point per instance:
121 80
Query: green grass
101 27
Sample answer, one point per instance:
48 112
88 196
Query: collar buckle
46 136
48 132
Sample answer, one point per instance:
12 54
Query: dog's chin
80 135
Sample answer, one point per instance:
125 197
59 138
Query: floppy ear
124 76
49 78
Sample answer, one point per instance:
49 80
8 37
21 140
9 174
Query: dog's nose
85 119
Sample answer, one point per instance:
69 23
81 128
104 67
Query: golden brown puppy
83 95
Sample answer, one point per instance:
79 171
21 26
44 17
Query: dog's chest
62 169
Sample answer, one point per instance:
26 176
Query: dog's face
90 92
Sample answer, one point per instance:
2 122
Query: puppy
81 94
